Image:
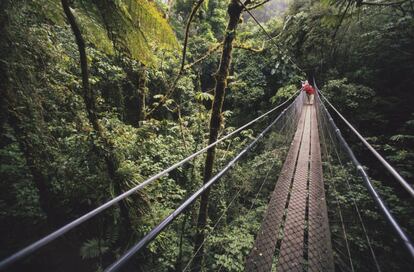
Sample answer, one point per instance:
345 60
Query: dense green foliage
53 162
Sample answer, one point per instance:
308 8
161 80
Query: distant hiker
310 91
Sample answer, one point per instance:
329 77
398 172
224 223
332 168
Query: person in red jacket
310 91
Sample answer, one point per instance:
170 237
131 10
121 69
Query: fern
93 248
134 27
137 27
401 138
201 96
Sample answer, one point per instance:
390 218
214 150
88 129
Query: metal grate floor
294 235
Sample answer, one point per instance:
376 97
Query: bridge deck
294 235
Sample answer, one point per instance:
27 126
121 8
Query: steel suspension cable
374 257
212 230
64 229
390 169
156 230
374 194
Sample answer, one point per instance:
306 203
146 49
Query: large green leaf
136 28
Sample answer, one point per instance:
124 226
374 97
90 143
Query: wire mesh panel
261 257
319 241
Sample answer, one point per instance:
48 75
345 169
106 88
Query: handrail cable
374 257
376 197
390 169
166 221
271 39
64 229
212 230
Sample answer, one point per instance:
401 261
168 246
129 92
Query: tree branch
208 53
383 3
341 20
184 54
257 5
248 48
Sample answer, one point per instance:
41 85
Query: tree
234 10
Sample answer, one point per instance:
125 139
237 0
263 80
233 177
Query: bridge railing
366 235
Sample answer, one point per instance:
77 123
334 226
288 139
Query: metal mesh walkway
294 235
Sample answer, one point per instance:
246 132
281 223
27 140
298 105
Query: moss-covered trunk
90 104
234 11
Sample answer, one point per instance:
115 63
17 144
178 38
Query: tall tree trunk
90 104
234 10
88 95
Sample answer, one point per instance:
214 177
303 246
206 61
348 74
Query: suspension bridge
295 232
